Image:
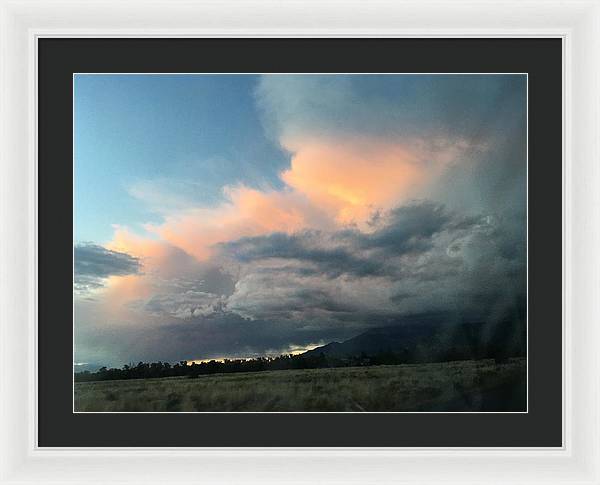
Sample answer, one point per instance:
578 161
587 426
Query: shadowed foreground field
481 385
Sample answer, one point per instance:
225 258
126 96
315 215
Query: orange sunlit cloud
155 255
327 184
123 289
352 179
248 212
158 259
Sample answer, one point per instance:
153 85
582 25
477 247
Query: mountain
427 341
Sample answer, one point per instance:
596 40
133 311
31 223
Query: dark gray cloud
218 335
94 263
419 258
329 254
411 228
406 230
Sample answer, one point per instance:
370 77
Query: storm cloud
94 263
215 336
419 258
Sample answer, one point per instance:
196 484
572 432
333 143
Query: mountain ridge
432 341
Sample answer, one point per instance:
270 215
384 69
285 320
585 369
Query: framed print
246 252
296 248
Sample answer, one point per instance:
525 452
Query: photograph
300 243
257 242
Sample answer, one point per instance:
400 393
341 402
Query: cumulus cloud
326 184
353 151
420 258
174 283
94 264
468 132
184 305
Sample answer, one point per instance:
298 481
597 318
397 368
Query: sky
245 215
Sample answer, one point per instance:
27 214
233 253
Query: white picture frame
576 22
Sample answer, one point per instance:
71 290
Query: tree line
144 370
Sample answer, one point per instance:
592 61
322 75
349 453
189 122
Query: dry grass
452 386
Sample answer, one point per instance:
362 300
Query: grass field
481 385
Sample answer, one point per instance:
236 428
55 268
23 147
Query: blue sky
189 134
